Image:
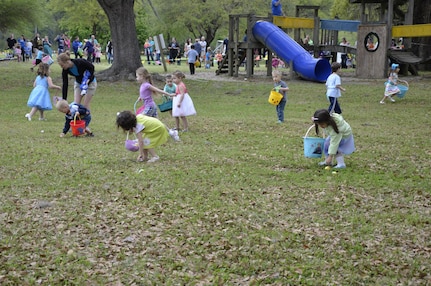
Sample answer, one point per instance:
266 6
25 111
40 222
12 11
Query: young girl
150 132
146 90
39 98
182 104
391 88
340 140
281 87
334 88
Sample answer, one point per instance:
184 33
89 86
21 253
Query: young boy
281 87
334 88
170 87
70 111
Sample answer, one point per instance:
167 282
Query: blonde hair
61 104
43 70
277 72
63 57
145 74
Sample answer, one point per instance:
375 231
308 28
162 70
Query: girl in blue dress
39 98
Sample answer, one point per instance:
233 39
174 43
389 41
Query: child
70 111
391 88
340 140
38 59
208 58
219 57
18 53
192 58
146 90
280 86
150 132
170 87
39 98
334 88
182 104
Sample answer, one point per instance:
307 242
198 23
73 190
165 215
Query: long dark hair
323 116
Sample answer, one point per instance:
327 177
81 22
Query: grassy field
234 203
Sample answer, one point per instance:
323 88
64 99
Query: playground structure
372 61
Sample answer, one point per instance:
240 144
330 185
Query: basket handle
134 106
74 118
309 129
127 136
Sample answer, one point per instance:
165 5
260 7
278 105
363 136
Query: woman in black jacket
78 68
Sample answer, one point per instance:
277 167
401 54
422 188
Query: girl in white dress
182 104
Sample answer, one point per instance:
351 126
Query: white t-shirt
331 85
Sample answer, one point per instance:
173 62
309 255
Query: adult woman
47 46
77 68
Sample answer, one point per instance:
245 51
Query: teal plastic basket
403 90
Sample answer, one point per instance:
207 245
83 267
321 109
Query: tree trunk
124 39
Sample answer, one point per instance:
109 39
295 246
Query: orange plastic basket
78 126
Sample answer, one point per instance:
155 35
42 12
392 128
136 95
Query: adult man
276 8
11 41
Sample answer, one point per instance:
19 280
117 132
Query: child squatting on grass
340 140
150 131
72 110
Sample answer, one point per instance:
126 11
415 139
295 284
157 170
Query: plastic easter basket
403 90
131 145
274 97
78 126
166 105
313 146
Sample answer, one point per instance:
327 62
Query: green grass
234 203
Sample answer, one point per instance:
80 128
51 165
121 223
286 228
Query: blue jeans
333 105
280 109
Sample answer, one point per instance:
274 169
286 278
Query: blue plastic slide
288 50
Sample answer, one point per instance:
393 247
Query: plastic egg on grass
328 168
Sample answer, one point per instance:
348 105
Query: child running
39 98
280 86
146 90
391 88
340 140
182 105
150 133
334 88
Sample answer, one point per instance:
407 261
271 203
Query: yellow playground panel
293 22
409 31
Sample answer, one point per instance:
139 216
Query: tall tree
121 18
16 14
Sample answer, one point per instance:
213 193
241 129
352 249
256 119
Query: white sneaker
28 116
340 166
154 159
382 102
174 134
393 100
